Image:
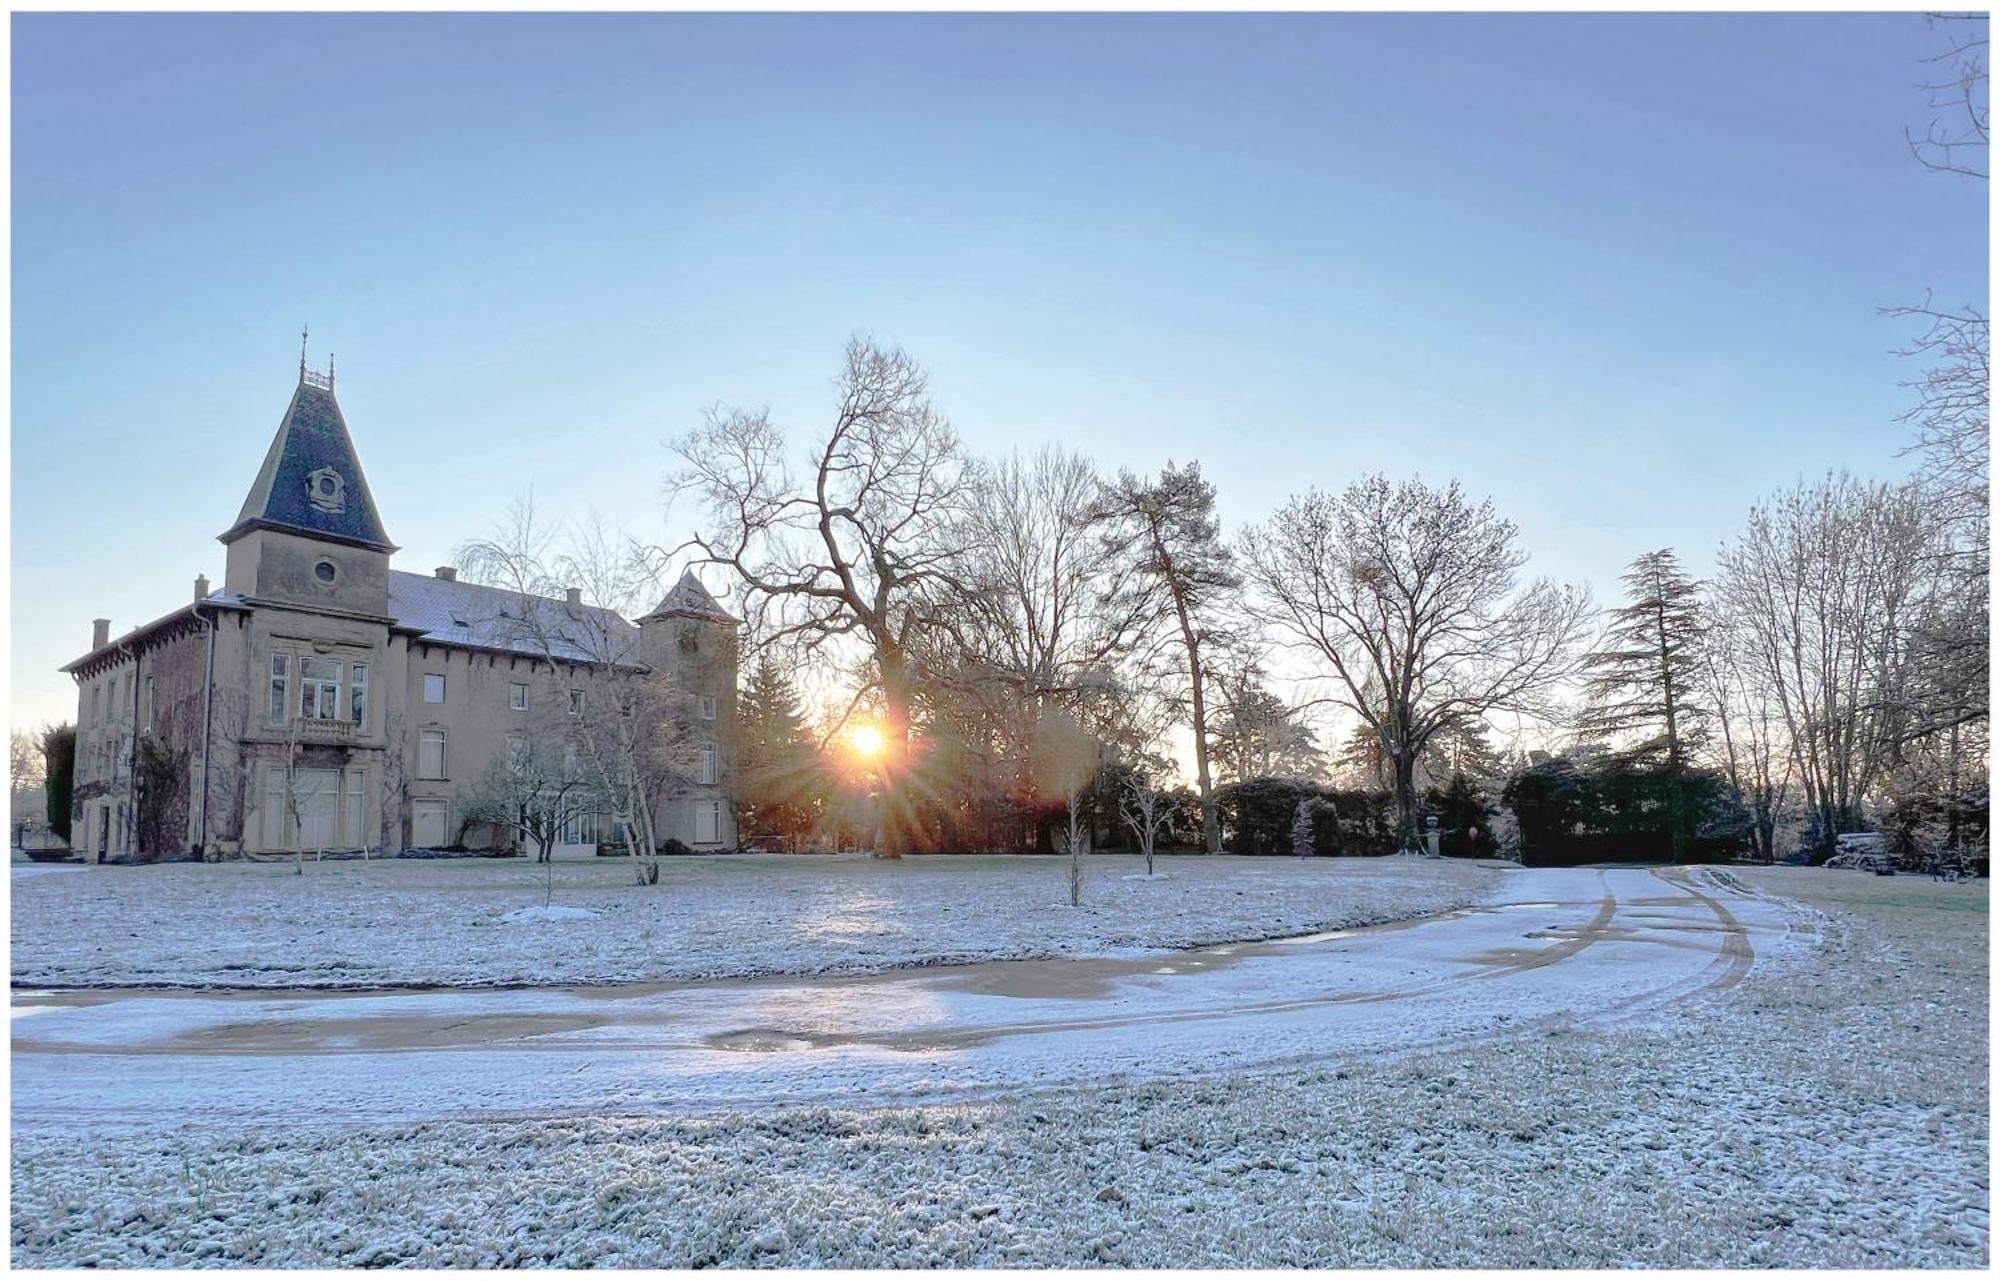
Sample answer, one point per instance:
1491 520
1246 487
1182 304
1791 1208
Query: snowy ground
1827 1106
411 922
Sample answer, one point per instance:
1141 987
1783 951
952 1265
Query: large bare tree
1824 583
865 547
1410 599
1751 745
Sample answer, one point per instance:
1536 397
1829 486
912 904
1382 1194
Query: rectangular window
357 699
576 702
517 696
517 753
317 792
354 810
319 688
707 822
708 707
146 712
708 765
433 687
427 823
275 819
281 670
430 753
580 826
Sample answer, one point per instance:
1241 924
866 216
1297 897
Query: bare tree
1823 582
25 764
569 598
1955 138
537 788
1256 733
1166 530
1411 599
1147 810
1053 607
1066 757
869 547
1754 752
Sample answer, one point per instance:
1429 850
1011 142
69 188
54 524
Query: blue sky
1622 274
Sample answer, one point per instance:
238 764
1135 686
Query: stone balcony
310 729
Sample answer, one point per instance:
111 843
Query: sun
867 740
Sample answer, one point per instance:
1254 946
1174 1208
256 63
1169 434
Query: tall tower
308 534
691 636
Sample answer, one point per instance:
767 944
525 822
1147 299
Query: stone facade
323 699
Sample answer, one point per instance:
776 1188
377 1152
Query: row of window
322 682
430 824
325 811
121 690
432 741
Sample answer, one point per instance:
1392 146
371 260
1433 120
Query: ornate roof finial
329 371
303 331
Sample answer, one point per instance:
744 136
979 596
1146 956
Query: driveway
1552 947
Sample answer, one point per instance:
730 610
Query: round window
325 571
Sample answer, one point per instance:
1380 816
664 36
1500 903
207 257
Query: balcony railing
311 729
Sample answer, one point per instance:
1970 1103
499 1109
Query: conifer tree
782 788
1644 681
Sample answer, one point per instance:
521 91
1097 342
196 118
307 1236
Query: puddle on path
1077 978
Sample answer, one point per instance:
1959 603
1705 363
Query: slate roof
690 597
448 612
222 600
311 481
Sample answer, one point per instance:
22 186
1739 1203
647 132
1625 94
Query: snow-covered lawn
1830 1110
419 922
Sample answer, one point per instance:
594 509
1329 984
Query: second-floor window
430 753
708 764
517 696
576 702
319 688
281 670
708 707
433 687
357 699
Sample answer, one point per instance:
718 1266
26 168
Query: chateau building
323 700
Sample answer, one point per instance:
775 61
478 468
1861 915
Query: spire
690 599
311 481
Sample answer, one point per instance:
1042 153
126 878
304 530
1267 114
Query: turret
308 533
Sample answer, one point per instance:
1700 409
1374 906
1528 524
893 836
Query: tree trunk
1211 826
893 815
1406 796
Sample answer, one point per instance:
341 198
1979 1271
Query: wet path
1554 946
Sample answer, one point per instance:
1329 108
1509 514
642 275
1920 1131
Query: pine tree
782 789
1644 681
1166 531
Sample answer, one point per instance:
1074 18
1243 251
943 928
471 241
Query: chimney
575 595
201 586
448 573
100 633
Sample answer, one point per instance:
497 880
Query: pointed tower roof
311 481
691 600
